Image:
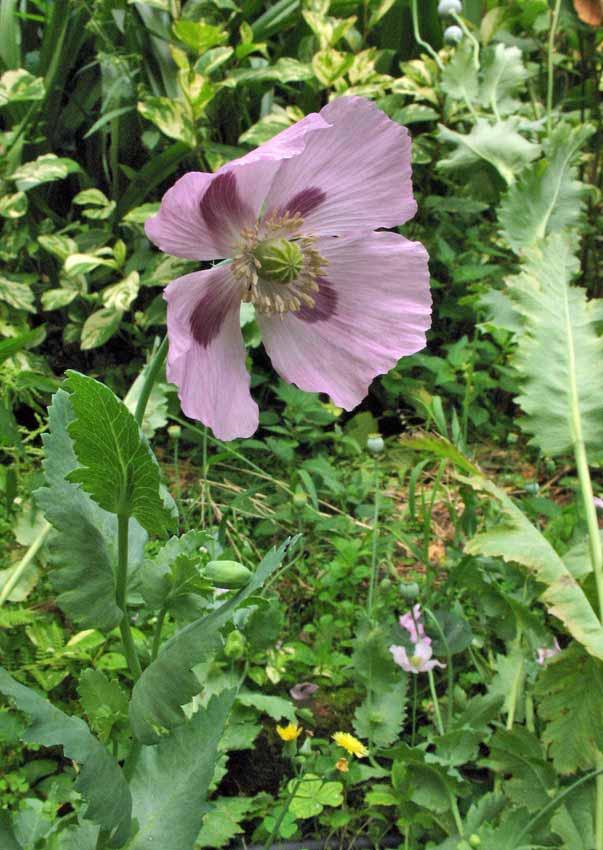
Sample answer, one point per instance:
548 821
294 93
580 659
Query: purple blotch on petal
304 202
325 306
208 316
221 205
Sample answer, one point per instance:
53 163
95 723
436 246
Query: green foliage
171 780
500 145
515 539
117 468
100 780
84 548
562 395
169 682
547 199
571 710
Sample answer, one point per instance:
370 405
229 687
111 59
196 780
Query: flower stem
23 564
373 578
157 633
550 79
120 596
417 34
152 371
436 705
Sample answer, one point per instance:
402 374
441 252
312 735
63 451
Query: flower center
280 260
276 266
416 660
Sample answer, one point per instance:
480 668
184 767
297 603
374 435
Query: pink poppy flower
546 652
421 659
411 621
337 302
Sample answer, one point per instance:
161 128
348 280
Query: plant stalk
373 577
150 378
121 585
23 564
436 705
550 75
417 34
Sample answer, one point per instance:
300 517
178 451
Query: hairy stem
550 75
153 370
120 596
436 704
373 577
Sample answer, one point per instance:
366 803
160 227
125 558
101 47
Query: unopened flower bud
474 840
300 498
450 7
375 444
228 574
235 645
453 34
174 432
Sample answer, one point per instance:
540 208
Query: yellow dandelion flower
342 765
351 744
290 732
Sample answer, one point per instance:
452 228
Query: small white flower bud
453 34
174 432
450 7
375 444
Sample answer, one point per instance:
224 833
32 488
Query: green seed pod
234 647
375 444
474 840
229 574
279 260
409 590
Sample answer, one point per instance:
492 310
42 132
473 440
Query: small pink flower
411 621
598 502
337 301
421 659
303 691
544 653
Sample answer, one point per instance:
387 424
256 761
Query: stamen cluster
268 296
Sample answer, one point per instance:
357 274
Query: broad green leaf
172 117
570 689
17 294
459 77
547 198
328 30
169 683
171 780
557 350
77 264
441 447
312 794
418 776
515 539
32 822
174 571
284 70
271 124
120 296
117 467
84 836
517 755
103 701
573 822
223 820
100 780
13 206
58 245
45 169
54 299
275 707
199 35
94 197
380 716
498 144
329 65
213 59
7 835
99 327
155 415
84 548
504 73
19 85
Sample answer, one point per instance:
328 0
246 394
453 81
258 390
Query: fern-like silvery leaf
515 539
547 198
504 72
559 352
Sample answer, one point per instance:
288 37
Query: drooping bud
375 444
453 34
450 7
279 260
